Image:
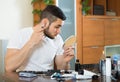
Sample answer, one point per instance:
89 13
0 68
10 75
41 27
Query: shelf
104 7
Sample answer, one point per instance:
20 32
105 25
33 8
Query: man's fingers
38 28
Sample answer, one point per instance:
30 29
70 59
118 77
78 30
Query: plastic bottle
77 65
108 66
118 65
102 65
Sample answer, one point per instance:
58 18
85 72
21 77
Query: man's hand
37 35
62 61
68 54
38 32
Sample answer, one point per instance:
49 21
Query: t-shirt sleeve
14 40
60 49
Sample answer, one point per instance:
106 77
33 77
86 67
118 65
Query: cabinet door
91 55
112 31
93 31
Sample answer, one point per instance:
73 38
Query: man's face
54 28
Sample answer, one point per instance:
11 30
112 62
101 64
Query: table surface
13 77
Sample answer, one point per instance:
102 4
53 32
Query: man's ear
45 22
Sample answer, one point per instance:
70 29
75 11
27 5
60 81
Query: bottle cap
108 56
77 60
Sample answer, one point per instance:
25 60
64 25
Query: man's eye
57 27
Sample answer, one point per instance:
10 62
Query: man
36 49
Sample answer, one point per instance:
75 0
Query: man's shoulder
23 31
26 29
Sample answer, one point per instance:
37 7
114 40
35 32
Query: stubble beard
48 34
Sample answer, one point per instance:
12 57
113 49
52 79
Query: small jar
77 65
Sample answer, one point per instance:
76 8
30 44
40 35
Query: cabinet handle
93 19
94 47
114 19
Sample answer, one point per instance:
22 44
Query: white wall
3 45
14 15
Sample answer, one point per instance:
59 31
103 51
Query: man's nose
58 31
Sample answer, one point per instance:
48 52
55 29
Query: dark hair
52 12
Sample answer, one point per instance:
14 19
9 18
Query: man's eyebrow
59 25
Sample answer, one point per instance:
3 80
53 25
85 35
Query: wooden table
13 77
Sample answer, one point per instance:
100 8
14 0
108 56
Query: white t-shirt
43 55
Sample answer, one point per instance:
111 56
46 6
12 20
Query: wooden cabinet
100 31
93 39
91 55
112 31
93 31
97 32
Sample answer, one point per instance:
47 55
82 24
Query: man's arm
17 57
62 61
